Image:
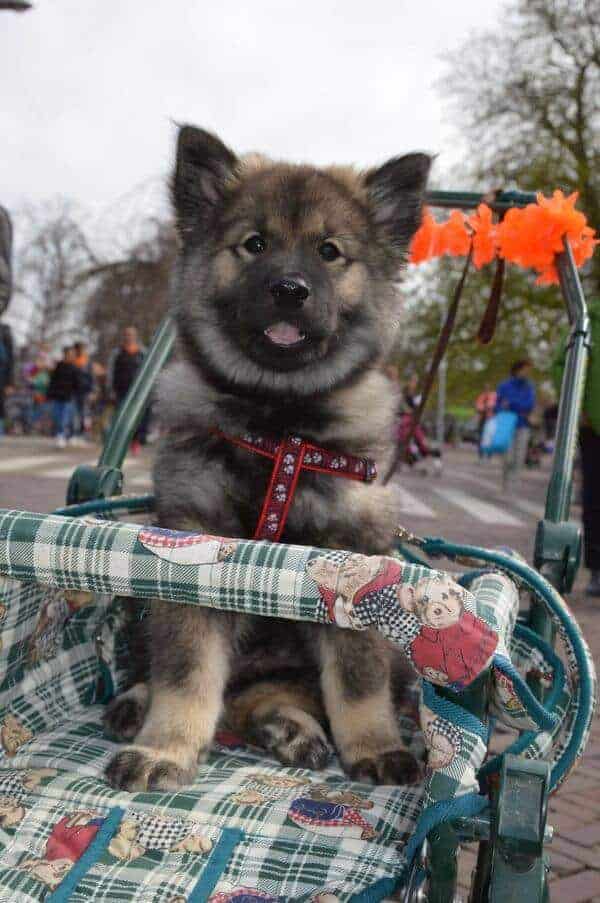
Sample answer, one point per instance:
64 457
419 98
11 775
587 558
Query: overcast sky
89 89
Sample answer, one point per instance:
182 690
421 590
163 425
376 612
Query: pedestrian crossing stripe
482 511
413 505
27 462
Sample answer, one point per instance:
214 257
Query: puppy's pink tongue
284 334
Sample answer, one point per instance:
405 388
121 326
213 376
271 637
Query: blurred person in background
36 377
99 403
410 393
6 285
62 389
589 442
516 394
418 449
122 370
6 369
86 384
550 418
485 405
39 383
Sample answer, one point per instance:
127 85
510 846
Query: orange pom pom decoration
484 236
530 236
455 238
425 243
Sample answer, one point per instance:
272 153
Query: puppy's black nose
290 291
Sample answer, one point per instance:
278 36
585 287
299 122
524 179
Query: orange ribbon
529 236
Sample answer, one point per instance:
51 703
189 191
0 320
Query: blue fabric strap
216 865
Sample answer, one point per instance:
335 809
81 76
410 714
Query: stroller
249 829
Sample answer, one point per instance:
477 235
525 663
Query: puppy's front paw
124 715
394 767
137 769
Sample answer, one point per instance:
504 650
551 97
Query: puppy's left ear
203 166
396 192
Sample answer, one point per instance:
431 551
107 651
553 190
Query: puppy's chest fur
204 481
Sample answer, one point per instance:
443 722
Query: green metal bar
518 864
132 410
558 499
468 200
443 863
130 503
558 540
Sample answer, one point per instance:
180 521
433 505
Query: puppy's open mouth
285 335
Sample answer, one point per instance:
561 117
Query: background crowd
72 398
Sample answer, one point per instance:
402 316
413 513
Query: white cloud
90 89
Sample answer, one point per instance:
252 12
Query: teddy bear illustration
506 695
324 793
68 840
139 833
186 548
14 786
51 873
124 844
442 739
345 586
330 818
227 893
13 735
277 781
46 636
57 608
453 645
249 797
11 811
261 788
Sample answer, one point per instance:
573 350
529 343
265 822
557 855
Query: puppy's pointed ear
203 166
396 192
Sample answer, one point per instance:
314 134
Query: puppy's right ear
203 166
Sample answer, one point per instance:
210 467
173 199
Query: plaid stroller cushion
248 829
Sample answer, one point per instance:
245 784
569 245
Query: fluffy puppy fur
285 297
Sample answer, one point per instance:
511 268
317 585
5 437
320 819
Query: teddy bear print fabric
186 548
432 618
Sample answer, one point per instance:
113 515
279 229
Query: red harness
291 455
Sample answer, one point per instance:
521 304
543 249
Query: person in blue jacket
516 394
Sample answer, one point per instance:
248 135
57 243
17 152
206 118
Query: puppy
286 303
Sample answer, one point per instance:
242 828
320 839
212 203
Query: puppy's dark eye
329 251
255 244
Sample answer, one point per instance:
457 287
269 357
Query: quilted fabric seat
248 829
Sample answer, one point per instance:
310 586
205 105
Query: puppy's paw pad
124 717
395 767
137 770
128 769
165 775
